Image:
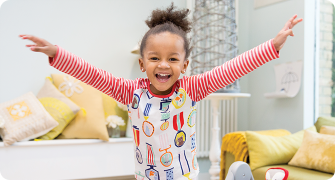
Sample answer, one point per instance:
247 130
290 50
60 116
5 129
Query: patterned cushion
61 108
89 125
25 118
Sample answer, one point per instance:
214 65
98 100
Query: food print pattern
164 126
164 135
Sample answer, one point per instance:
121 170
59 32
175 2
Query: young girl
162 106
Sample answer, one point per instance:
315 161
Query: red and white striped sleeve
119 88
201 85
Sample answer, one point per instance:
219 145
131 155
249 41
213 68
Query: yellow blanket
236 144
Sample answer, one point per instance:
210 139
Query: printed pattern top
164 125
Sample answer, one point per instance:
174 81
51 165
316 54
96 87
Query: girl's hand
281 37
41 45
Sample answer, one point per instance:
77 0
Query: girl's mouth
163 77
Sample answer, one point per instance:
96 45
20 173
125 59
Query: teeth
163 74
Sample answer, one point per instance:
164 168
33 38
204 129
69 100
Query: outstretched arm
119 88
199 86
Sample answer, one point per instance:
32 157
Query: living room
107 34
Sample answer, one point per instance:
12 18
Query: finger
37 49
289 32
288 24
292 18
23 36
30 45
33 38
296 22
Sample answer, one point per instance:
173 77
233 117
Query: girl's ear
186 62
141 63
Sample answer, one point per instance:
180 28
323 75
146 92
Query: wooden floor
202 176
115 178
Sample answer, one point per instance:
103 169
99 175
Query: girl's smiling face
163 60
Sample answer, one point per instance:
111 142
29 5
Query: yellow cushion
274 132
327 130
61 108
111 107
324 121
268 150
295 173
89 126
235 144
25 118
317 152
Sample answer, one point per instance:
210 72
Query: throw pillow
268 150
316 152
327 130
89 125
324 121
61 108
112 107
25 118
274 132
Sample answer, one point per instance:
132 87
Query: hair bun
176 17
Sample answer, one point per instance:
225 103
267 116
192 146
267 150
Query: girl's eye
154 58
173 59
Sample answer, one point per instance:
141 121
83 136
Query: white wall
103 32
257 26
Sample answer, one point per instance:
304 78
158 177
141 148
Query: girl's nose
164 64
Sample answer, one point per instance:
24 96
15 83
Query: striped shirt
197 86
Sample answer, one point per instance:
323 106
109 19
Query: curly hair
169 20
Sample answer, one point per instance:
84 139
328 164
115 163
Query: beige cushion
324 121
316 152
25 118
89 125
61 108
327 130
268 150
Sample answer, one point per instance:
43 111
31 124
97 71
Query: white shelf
56 142
67 159
226 96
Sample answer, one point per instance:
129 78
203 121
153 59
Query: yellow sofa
234 148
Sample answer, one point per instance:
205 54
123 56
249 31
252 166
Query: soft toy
276 174
239 171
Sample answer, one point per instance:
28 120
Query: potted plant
113 123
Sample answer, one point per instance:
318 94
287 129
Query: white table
214 155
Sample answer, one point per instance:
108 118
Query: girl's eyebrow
152 53
174 54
